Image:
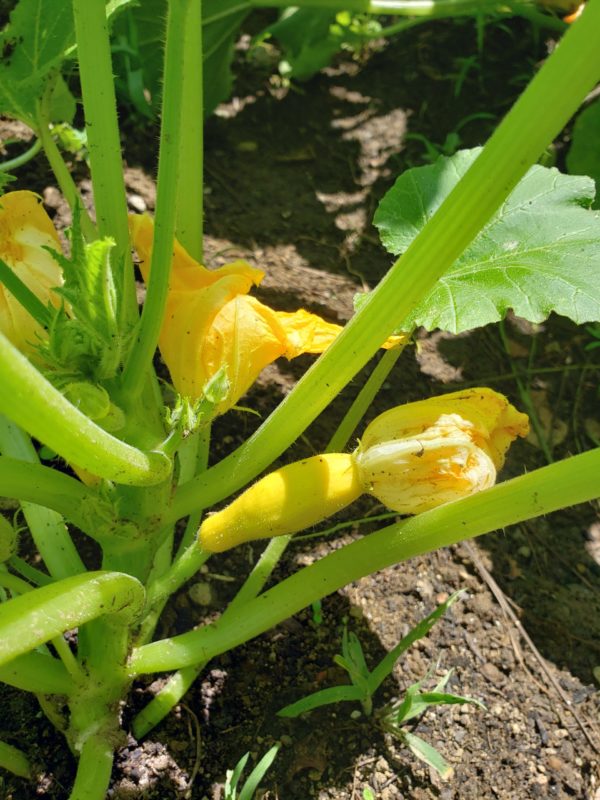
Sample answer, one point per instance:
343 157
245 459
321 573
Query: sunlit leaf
539 253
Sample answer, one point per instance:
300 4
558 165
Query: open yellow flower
25 229
412 458
211 322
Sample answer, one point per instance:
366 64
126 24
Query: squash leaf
539 253
33 46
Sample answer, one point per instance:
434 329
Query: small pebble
137 203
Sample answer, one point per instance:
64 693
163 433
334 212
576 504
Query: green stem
363 400
194 461
142 351
38 673
104 144
14 760
21 292
525 398
179 683
181 571
94 769
190 198
47 487
34 618
546 105
46 526
35 405
18 161
64 178
13 583
564 483
35 576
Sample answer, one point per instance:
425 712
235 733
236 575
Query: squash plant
77 375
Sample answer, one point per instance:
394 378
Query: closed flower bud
421 455
25 230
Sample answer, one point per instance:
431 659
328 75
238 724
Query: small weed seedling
233 776
365 683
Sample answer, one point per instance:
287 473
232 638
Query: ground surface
292 182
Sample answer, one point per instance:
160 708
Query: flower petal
25 229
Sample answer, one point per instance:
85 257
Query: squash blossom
211 321
25 229
412 458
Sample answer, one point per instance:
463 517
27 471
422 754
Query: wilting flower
412 458
420 455
211 322
25 229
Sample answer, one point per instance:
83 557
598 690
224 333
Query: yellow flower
25 229
412 458
423 454
211 321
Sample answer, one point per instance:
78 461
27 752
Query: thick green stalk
564 483
190 197
47 527
144 346
104 143
546 105
94 769
35 405
50 488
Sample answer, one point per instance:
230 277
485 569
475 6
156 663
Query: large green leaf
33 44
539 253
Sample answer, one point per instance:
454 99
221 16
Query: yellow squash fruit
285 501
412 458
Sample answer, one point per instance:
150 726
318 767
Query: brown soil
292 182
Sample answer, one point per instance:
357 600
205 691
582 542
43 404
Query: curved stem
47 527
18 161
30 620
565 483
35 405
47 487
548 102
144 345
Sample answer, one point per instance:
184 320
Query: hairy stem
190 198
142 351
